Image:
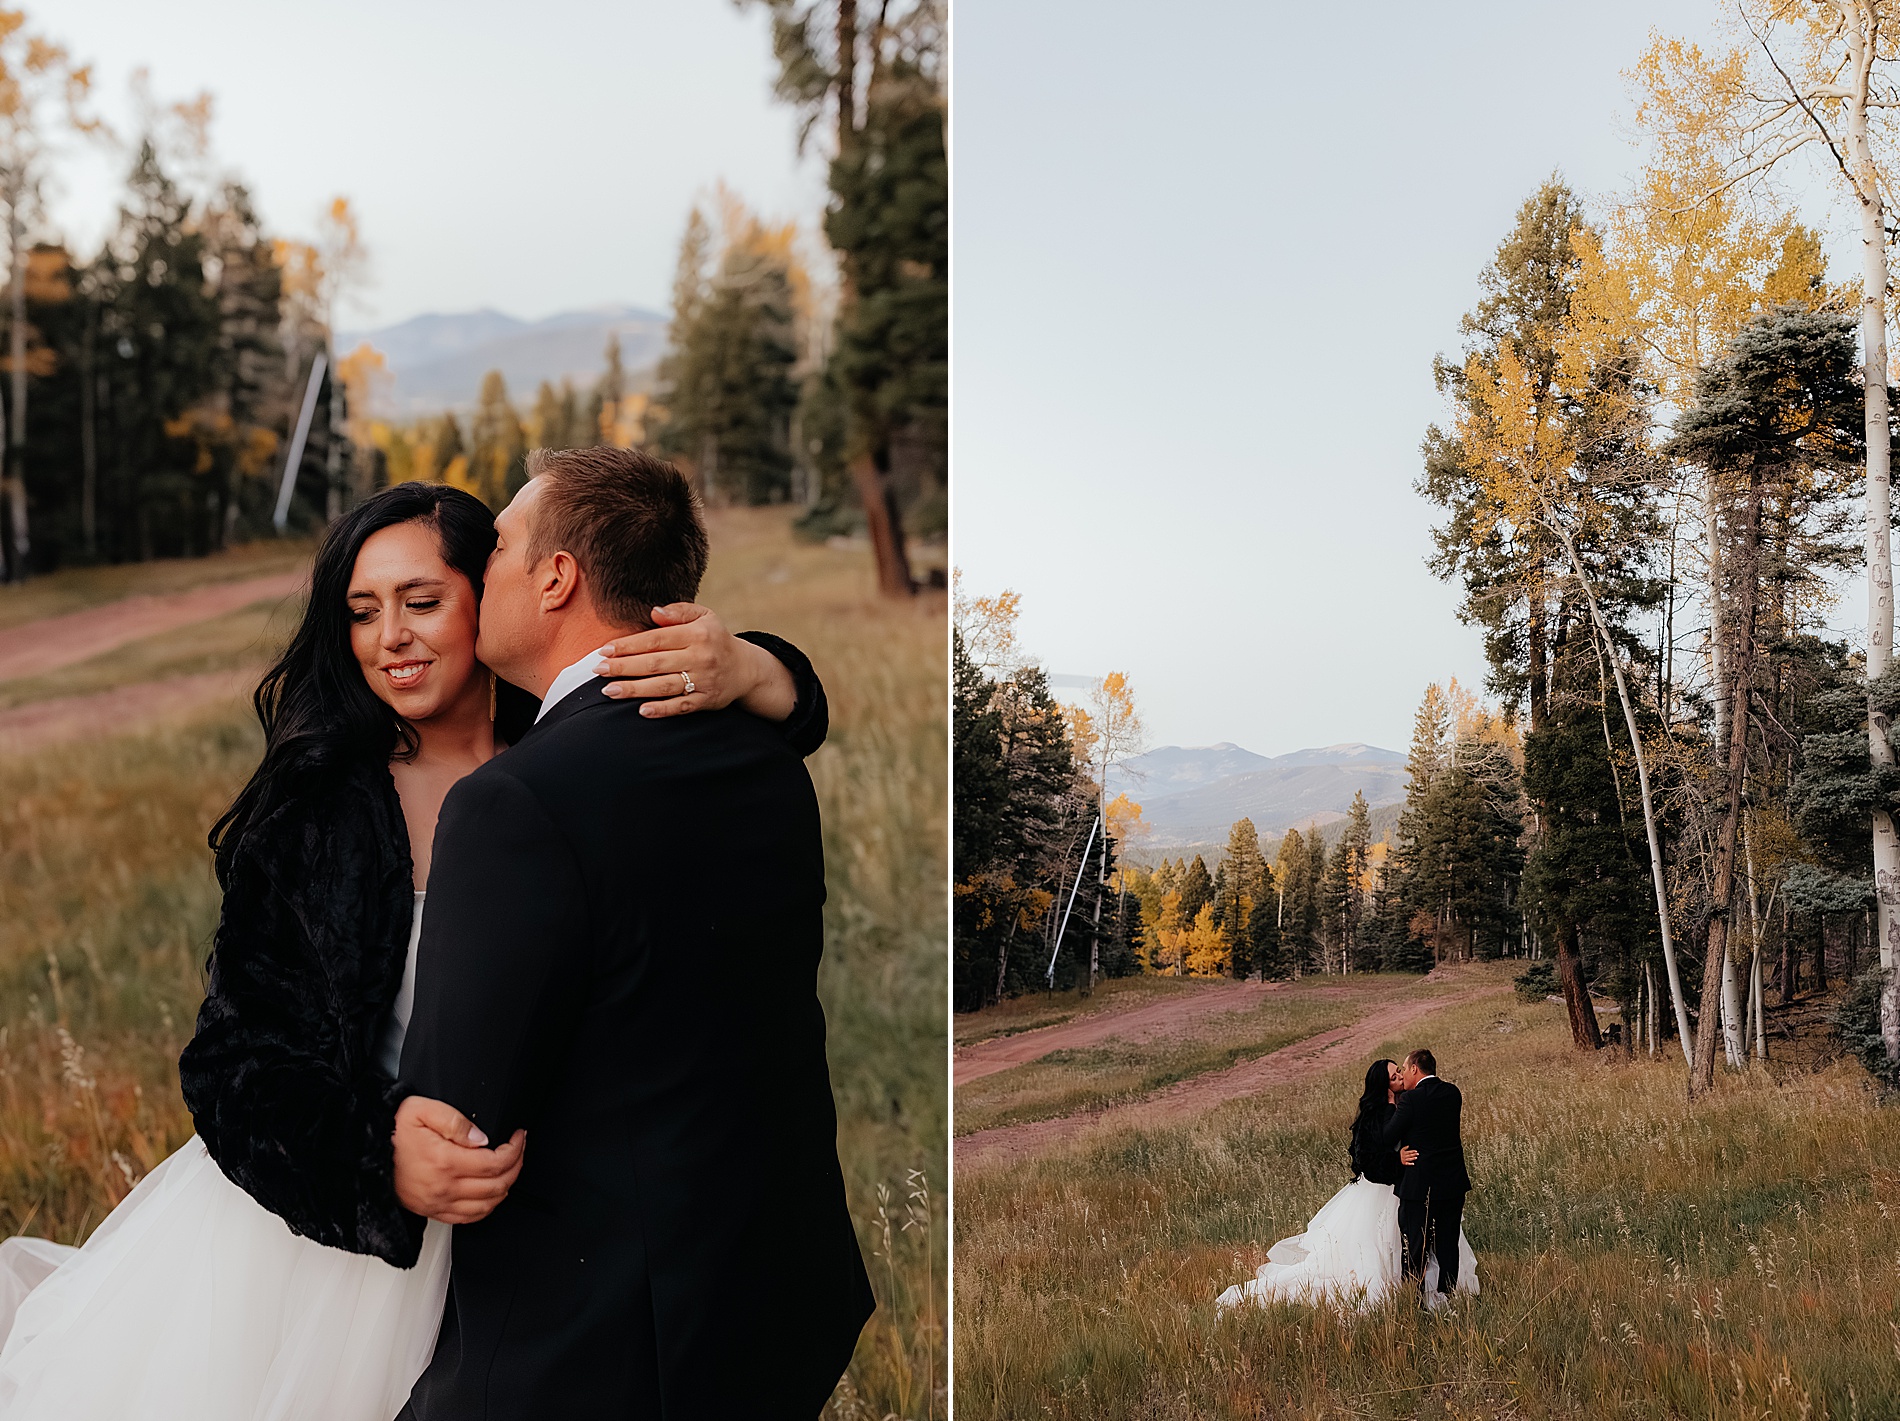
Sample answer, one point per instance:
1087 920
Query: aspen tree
1815 82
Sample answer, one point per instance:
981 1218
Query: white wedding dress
192 1302
1351 1253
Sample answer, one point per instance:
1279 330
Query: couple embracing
1402 1216
510 1082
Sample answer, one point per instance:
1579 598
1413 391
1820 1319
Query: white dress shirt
570 679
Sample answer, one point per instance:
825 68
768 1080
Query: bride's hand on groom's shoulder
444 1168
690 646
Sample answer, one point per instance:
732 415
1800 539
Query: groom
619 954
1433 1184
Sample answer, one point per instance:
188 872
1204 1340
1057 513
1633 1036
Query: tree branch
1795 92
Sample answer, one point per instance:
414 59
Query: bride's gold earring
491 697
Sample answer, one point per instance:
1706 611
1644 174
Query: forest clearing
1638 1257
107 901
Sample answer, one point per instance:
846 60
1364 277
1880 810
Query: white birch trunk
1859 26
1718 681
1755 1004
1683 1029
1734 1032
1752 1021
1651 1017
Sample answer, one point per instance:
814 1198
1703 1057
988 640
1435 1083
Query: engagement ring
689 684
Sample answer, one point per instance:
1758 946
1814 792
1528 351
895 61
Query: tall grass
1640 1257
107 907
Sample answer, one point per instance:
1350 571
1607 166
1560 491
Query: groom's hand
444 1169
688 640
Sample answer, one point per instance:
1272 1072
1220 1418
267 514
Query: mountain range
1192 795
437 361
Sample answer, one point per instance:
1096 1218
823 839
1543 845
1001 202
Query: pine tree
1265 953
727 387
603 406
497 458
1197 888
548 428
1300 865
1509 569
251 397
1243 893
1342 904
158 343
1467 855
1021 858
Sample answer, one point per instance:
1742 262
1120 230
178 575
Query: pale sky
533 158
1204 257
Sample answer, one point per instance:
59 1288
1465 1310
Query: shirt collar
570 679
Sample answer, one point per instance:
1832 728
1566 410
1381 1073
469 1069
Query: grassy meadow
107 905
1035 1010
1639 1256
77 589
1069 1081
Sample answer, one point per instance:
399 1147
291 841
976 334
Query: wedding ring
688 680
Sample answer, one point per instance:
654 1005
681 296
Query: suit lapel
594 693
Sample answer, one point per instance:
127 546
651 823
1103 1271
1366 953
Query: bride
1351 1251
266 1271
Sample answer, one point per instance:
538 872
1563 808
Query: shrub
1535 982
1857 1020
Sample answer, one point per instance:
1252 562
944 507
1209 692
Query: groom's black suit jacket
1427 1118
619 952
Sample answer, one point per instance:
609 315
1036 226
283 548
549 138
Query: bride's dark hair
1374 1110
316 709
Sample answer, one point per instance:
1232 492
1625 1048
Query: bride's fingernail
476 1137
601 668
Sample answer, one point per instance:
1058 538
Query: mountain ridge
437 360
1194 794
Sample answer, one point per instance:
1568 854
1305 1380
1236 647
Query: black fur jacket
282 1077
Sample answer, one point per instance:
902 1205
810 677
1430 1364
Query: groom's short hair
1427 1064
631 521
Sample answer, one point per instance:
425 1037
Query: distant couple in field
1401 1218
563 1142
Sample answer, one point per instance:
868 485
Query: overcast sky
533 158
1203 260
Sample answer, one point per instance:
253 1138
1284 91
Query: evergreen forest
180 388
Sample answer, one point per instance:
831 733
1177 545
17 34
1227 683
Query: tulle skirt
1351 1253
192 1302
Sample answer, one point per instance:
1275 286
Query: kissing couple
510 1082
1401 1218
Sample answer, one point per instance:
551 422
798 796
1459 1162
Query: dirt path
35 648
1300 1061
1165 1017
40 724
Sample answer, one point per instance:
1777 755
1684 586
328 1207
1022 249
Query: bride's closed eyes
368 611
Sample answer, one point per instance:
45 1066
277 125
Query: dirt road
1300 1061
35 648
40 724
1166 1017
